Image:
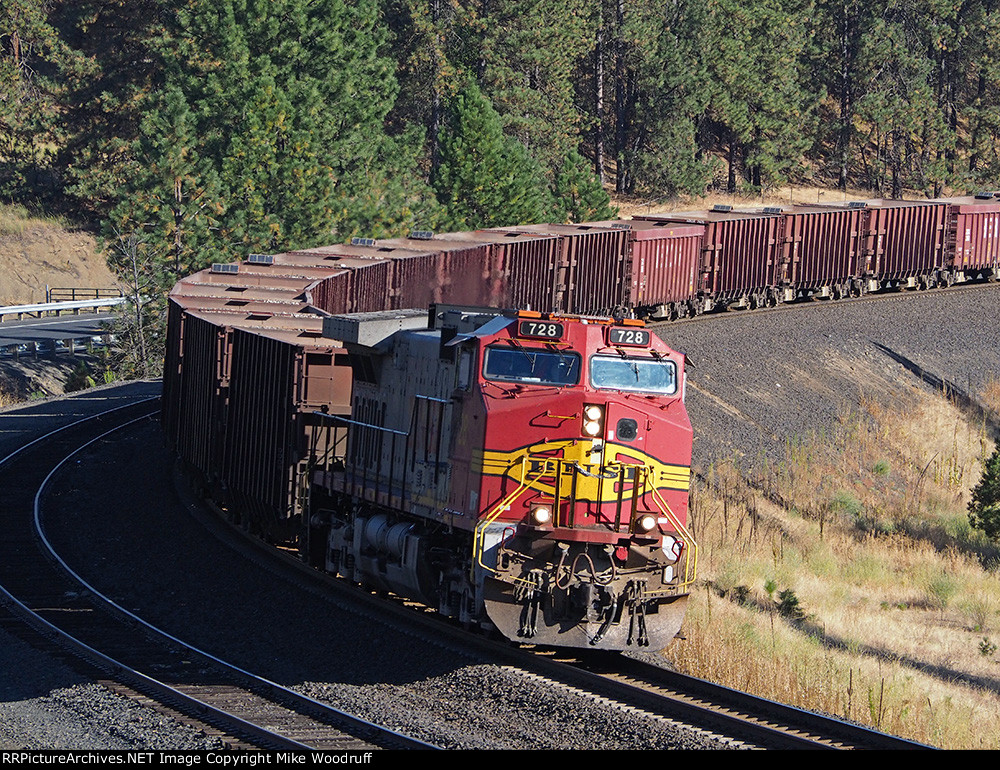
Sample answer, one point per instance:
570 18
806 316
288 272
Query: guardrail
58 308
73 293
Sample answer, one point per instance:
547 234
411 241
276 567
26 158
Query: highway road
50 329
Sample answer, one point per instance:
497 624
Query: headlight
646 523
541 514
593 420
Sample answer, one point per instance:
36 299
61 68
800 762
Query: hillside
836 445
35 254
44 254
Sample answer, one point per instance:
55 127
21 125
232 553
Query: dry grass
16 219
845 577
991 395
7 397
799 194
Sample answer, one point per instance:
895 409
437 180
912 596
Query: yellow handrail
690 569
479 548
478 545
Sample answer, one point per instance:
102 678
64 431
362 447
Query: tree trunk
599 99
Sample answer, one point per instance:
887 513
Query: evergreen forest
195 131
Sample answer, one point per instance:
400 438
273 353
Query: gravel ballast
143 549
760 378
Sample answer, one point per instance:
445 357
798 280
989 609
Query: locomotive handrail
686 536
691 549
479 539
343 419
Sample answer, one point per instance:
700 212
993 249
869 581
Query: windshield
531 365
643 375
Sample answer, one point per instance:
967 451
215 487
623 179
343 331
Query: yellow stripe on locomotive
584 481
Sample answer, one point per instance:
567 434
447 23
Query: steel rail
748 718
175 696
703 707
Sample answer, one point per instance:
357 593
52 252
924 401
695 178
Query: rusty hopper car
972 237
739 256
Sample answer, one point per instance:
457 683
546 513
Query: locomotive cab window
531 365
639 375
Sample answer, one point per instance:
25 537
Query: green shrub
984 508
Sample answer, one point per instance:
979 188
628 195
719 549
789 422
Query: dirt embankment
40 256
761 379
47 255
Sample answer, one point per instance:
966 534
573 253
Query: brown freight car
664 267
972 238
591 270
821 251
903 242
740 263
279 379
522 267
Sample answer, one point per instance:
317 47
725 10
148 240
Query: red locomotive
526 470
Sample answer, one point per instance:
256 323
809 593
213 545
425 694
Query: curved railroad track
741 717
883 295
726 716
41 589
731 717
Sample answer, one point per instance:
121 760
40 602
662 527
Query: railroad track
885 295
43 591
739 717
731 717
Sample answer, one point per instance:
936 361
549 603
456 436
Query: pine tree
842 28
761 106
486 179
984 508
672 89
577 194
102 107
269 133
175 202
525 63
898 108
432 43
35 64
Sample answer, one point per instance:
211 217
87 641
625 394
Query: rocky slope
47 255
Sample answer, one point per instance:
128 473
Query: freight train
521 469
